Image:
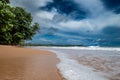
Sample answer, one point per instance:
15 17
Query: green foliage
6 17
15 24
5 1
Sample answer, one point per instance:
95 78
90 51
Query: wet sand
108 63
110 69
27 64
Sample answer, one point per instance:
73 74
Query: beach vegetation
16 24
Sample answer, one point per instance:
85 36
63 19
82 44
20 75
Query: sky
75 22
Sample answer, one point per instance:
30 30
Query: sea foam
83 48
72 70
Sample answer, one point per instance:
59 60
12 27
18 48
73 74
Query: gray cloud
30 5
94 27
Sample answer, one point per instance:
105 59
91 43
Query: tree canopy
5 1
15 24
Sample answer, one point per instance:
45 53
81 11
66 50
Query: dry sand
27 64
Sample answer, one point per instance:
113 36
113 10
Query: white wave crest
72 70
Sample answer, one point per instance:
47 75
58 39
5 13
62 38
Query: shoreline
96 62
18 63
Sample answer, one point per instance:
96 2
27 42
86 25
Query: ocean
87 63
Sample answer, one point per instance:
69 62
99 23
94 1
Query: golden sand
27 64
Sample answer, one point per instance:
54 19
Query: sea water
87 63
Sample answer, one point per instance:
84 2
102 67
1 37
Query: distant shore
27 64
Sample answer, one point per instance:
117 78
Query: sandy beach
27 64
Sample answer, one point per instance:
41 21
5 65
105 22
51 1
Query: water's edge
71 69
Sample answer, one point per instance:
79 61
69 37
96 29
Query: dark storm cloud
68 7
111 31
113 5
